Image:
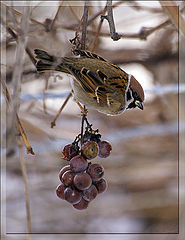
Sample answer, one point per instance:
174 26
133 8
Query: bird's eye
135 95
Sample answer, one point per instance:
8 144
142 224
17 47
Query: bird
97 83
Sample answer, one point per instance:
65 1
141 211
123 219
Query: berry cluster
81 180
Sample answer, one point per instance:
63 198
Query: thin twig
142 34
109 17
23 169
19 13
84 24
17 74
56 16
82 125
19 124
74 13
101 12
60 110
28 51
98 30
24 137
146 31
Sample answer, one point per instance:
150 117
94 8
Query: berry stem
82 126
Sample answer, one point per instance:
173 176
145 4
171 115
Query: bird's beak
139 104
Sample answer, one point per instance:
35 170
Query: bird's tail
47 62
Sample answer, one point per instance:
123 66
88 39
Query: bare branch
60 110
84 25
56 16
28 51
24 174
101 12
98 30
23 134
19 125
109 17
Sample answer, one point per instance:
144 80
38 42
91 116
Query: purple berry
83 204
72 196
70 151
60 190
96 171
82 181
78 164
101 185
90 193
63 170
67 178
105 149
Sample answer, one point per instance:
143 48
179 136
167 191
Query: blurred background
142 170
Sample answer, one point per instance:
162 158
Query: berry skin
72 196
90 149
82 181
101 185
63 170
78 164
83 204
60 191
70 151
67 178
96 171
90 193
105 149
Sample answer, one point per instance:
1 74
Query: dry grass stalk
19 124
60 110
24 174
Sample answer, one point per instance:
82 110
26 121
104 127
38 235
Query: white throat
127 102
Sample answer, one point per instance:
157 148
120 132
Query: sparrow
96 82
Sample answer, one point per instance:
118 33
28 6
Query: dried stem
28 51
98 30
16 81
60 110
20 127
23 169
109 17
142 34
102 12
74 13
56 16
24 137
84 24
82 125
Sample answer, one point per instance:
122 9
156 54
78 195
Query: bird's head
135 94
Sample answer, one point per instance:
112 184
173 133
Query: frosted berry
78 163
96 171
72 196
83 204
70 151
82 181
105 149
63 170
101 185
67 178
90 193
60 190
90 149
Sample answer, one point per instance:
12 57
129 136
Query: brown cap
136 87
